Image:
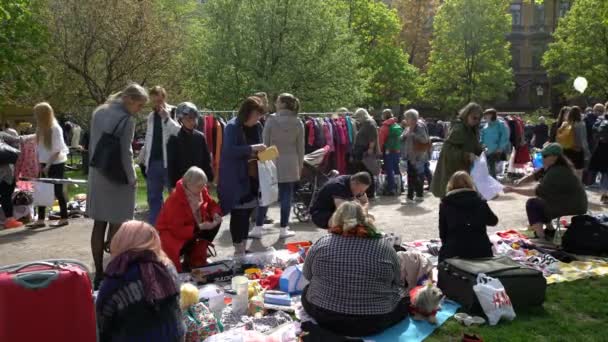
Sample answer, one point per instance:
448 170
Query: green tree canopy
22 42
302 47
470 55
376 30
581 47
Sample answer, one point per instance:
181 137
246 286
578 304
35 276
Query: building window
516 14
539 16
564 7
537 57
516 58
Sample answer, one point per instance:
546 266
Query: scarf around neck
157 281
195 201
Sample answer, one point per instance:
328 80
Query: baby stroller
313 178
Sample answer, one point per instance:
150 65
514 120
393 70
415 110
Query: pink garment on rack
27 164
311 132
329 139
342 147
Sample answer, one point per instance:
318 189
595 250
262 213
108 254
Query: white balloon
580 84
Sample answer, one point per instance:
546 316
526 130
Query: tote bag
44 194
269 183
107 157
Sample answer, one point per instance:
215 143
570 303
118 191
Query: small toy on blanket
425 302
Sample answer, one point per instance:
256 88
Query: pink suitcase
50 300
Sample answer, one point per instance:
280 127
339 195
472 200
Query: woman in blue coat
495 138
238 183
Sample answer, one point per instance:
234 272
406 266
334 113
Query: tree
302 47
580 48
470 56
417 28
22 41
376 30
104 44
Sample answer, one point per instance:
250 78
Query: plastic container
240 301
537 162
213 297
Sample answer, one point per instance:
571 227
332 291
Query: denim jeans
157 180
285 196
604 181
415 179
391 168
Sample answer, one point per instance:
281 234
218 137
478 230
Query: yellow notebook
270 153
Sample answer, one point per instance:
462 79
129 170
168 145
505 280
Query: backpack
565 136
394 134
601 129
586 235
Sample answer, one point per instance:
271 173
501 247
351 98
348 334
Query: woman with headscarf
366 147
460 149
139 297
189 213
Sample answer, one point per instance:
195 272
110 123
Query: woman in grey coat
286 131
110 203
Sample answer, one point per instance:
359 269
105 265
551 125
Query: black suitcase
525 286
586 235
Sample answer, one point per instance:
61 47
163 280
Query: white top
57 145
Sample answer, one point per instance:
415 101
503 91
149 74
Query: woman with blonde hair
463 220
285 131
460 148
52 155
108 202
139 299
354 277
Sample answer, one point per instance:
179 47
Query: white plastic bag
292 280
493 298
44 194
269 183
487 186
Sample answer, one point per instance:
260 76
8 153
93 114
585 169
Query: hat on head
187 109
553 149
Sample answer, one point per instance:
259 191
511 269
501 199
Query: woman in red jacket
188 214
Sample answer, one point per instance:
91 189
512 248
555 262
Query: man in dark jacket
591 116
541 133
189 147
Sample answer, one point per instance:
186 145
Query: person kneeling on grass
336 191
558 193
188 214
463 220
355 277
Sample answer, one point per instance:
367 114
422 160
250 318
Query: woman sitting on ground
139 298
354 277
188 213
463 220
558 193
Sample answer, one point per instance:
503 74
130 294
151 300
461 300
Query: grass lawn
140 197
573 311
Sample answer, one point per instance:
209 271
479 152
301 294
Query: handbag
371 163
8 154
423 147
108 154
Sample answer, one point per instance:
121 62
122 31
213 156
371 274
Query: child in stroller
313 178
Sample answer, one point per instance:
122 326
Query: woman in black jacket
463 218
189 147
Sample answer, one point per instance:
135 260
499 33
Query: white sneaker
286 233
256 233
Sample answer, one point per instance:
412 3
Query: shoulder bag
107 156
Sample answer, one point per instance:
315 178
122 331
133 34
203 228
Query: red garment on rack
342 147
27 163
209 127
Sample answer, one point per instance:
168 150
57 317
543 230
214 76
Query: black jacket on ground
187 149
463 218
